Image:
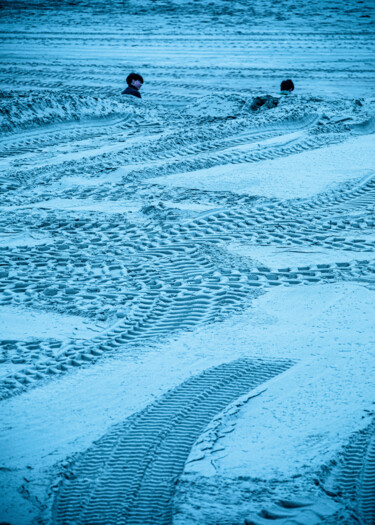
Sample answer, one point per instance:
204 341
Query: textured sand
185 281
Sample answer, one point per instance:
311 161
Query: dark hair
133 76
287 85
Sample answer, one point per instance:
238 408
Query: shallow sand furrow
132 481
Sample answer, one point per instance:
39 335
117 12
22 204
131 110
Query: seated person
286 87
134 82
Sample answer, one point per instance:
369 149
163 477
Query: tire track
160 291
330 210
267 228
173 289
180 151
129 475
34 142
356 478
366 489
239 156
191 160
259 37
159 287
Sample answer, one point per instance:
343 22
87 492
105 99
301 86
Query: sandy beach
187 281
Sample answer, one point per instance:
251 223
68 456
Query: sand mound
284 108
28 110
217 106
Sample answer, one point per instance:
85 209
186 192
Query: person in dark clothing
286 87
134 82
268 101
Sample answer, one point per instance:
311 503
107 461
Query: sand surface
187 285
313 172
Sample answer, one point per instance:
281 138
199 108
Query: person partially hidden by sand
134 82
286 87
268 101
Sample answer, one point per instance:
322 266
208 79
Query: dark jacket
131 90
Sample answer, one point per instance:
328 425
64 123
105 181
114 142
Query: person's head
287 85
135 80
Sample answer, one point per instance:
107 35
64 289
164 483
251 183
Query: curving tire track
237 156
35 142
356 479
160 275
179 151
366 488
163 290
129 475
